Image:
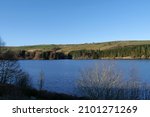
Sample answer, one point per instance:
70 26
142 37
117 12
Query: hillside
88 46
114 49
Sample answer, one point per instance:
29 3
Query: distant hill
114 49
88 46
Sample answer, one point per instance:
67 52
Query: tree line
41 55
133 52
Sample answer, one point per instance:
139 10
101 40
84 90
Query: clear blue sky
29 22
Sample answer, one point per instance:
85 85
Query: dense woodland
133 52
126 52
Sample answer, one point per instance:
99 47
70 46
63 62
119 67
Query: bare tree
23 80
41 80
100 82
104 81
2 43
10 71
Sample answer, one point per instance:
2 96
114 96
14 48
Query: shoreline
93 59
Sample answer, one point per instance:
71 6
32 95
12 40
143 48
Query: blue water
61 75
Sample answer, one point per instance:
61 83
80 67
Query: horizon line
76 43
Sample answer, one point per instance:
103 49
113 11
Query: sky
32 22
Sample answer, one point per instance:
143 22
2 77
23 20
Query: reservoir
62 75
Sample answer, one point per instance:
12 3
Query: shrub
105 81
23 80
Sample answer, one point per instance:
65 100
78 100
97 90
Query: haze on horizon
34 22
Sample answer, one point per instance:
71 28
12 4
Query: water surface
61 75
